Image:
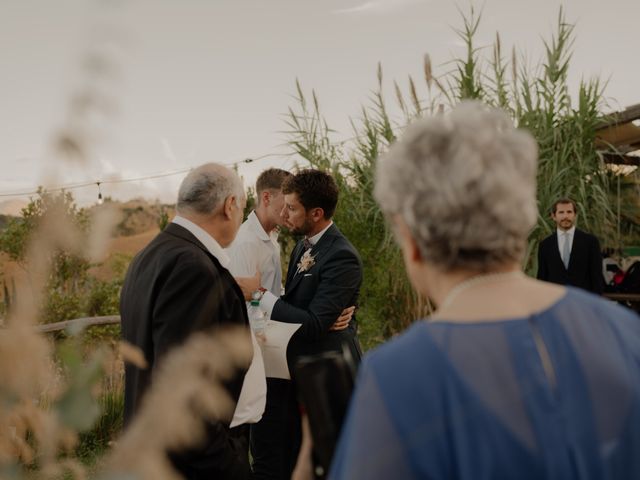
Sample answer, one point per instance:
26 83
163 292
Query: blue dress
551 396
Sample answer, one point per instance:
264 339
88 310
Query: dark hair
564 200
315 189
271 179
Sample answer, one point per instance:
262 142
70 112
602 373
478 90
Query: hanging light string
73 186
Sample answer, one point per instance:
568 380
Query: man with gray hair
179 284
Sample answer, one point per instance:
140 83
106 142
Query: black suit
585 262
175 287
315 298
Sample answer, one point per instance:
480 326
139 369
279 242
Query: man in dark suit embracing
178 285
323 278
570 256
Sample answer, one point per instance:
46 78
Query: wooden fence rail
79 323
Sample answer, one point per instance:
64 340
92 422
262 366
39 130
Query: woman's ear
407 242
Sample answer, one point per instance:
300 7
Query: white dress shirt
565 236
254 248
253 395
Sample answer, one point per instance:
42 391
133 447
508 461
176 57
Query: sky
192 81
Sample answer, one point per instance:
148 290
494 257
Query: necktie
566 249
307 244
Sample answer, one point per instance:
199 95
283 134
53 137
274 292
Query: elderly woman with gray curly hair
510 377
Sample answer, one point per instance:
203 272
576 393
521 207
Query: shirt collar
254 223
207 240
569 232
316 238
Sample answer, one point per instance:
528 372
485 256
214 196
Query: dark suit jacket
316 297
175 287
585 262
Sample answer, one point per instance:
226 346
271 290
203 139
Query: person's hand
304 465
248 285
343 320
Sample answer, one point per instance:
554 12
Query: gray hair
465 185
205 188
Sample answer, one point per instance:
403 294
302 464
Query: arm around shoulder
340 280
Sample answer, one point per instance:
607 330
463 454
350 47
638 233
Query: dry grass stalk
186 392
400 98
132 354
428 73
28 373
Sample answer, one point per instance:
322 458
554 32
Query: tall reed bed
538 98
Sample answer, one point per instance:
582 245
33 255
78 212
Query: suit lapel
572 249
555 249
576 248
293 261
317 251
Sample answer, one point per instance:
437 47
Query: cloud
377 7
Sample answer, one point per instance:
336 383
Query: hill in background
140 221
140 216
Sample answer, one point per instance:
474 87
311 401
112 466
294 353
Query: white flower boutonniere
306 262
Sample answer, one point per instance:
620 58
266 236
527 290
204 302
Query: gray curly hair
465 185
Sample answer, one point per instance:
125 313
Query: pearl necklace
477 280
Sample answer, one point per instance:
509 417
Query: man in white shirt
256 246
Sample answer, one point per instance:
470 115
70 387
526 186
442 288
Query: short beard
306 227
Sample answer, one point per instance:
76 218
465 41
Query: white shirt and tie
565 243
253 394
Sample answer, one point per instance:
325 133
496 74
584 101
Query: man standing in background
570 256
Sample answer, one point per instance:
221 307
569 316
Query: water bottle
257 318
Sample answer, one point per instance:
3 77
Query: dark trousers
228 460
275 439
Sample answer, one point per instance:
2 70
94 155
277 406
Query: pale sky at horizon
197 81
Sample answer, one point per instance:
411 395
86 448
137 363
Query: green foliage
16 236
624 195
61 306
251 202
71 292
108 426
163 219
538 99
387 304
8 296
77 408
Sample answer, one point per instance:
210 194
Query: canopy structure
618 137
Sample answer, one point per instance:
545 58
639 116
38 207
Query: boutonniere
306 262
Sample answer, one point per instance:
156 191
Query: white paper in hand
274 348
